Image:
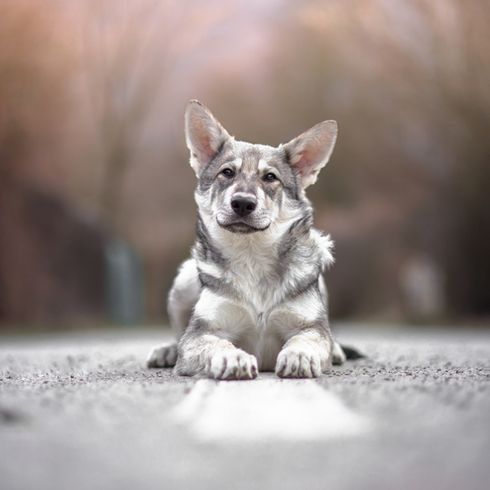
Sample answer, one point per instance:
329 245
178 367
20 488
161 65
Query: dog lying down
252 297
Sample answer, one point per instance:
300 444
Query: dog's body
252 297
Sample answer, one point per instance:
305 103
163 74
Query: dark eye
269 177
228 173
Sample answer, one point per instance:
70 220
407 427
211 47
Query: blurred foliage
91 142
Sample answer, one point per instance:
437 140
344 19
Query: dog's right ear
204 135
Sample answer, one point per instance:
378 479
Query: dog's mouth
241 227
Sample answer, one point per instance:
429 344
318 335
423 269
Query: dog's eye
228 173
269 177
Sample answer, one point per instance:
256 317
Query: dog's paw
293 363
162 356
338 355
232 364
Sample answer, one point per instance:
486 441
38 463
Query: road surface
80 411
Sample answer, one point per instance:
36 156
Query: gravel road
80 411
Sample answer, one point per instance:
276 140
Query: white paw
231 364
293 363
162 356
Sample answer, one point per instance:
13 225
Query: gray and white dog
252 297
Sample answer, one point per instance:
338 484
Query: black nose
243 206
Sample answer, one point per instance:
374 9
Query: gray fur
252 296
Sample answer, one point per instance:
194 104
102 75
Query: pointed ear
310 151
204 135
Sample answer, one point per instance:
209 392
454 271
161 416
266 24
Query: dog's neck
264 267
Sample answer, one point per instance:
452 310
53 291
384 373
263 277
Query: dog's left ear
310 151
204 135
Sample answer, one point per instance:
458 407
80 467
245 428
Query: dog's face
247 187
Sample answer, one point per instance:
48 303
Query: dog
252 297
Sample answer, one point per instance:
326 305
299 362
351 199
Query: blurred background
96 194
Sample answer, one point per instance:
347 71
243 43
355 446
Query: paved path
78 411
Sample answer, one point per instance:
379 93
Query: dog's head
246 187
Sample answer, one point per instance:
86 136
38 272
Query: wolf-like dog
252 297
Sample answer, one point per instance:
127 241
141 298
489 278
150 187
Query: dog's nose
243 206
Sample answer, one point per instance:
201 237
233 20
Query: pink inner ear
306 161
206 146
203 139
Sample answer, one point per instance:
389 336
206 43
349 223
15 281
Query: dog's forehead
252 156
253 159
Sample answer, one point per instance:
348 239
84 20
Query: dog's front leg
206 349
307 354
307 349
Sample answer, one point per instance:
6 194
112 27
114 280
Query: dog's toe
162 356
298 364
338 355
231 365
